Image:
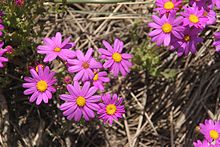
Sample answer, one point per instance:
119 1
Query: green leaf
169 73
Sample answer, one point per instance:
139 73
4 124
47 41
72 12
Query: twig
171 129
127 131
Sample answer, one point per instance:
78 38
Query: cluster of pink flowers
179 30
89 75
211 131
7 49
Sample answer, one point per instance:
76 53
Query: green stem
91 1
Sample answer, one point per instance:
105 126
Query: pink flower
115 59
10 50
187 43
193 17
216 43
80 102
83 65
111 108
211 15
40 85
211 131
54 47
167 6
1 28
204 143
207 6
19 2
68 79
2 52
100 78
2 59
165 29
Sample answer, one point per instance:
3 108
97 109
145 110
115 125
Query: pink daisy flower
2 59
165 29
211 131
40 85
167 6
216 43
2 52
80 102
111 108
211 15
83 65
116 60
207 6
203 143
54 47
193 17
187 43
100 78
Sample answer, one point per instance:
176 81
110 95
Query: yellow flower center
80 101
117 57
96 77
193 18
85 65
111 109
168 5
187 38
167 28
37 67
214 134
57 49
41 85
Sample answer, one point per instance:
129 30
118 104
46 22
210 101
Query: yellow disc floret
111 109
167 28
168 5
193 18
187 38
57 49
117 57
80 101
85 65
96 77
41 85
214 134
